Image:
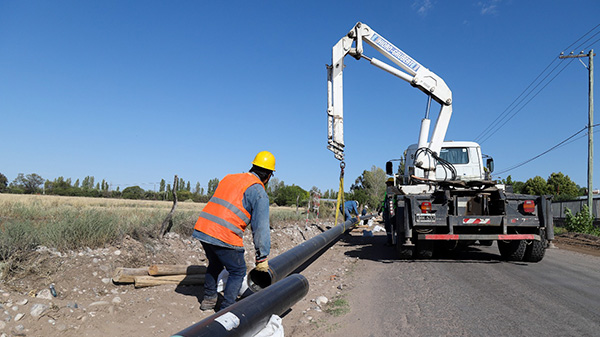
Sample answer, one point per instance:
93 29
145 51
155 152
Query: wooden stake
126 275
168 222
176 269
149 281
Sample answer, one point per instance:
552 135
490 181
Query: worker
387 221
240 199
350 207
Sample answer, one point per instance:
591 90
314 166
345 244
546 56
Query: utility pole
590 68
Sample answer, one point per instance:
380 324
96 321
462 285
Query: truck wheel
424 249
535 250
512 250
404 252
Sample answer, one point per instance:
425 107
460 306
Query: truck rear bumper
494 237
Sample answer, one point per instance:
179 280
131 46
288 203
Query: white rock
95 274
23 302
116 300
321 300
44 294
117 252
2 326
106 280
38 309
98 303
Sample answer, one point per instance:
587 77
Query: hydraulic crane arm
412 72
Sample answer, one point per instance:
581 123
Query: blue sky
137 91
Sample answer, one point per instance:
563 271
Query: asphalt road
473 293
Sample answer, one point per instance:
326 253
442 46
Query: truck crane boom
412 72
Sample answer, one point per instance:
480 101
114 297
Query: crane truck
443 197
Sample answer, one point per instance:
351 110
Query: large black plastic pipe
250 315
288 262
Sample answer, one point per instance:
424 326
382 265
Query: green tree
518 186
59 186
212 186
3 183
369 188
536 186
272 187
197 189
562 187
28 183
288 195
162 185
133 192
184 195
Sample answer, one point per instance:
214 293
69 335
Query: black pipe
250 315
286 263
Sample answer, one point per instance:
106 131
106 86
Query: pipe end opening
258 280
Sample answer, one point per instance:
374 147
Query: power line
582 36
488 128
564 142
495 126
524 105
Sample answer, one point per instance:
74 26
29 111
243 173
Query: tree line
367 189
279 193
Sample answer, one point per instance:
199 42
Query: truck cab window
455 155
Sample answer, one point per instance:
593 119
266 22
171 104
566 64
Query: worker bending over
350 207
240 199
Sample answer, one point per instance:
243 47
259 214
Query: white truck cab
466 157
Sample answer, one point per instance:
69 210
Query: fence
559 208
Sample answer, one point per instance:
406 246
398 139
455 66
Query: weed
338 306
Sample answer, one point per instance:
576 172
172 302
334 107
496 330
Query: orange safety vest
224 217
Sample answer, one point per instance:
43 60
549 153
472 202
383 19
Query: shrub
581 222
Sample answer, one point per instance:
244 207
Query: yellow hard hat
390 180
265 159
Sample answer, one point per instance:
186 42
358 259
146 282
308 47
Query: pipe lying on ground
250 315
286 263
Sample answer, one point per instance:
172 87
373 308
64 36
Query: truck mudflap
503 237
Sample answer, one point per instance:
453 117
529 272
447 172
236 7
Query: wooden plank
150 281
175 269
126 275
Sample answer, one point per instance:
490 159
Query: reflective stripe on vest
224 216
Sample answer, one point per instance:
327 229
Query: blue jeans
230 259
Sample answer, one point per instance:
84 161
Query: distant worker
350 207
364 210
239 200
387 221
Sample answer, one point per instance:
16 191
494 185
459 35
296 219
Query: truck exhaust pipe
297 257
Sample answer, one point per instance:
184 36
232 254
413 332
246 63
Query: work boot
208 303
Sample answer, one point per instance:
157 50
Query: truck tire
535 252
536 249
424 249
404 252
513 250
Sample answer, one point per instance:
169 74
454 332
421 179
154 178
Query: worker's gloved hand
262 266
